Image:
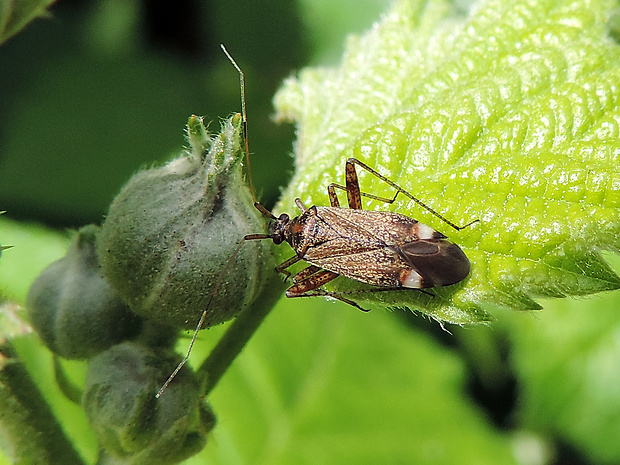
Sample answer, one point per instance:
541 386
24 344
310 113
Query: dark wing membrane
439 262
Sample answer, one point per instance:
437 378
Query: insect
384 249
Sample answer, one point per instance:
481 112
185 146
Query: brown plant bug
384 249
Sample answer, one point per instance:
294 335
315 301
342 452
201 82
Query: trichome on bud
133 426
74 309
172 230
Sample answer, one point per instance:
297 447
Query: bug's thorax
301 232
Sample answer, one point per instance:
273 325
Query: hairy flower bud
73 308
172 230
130 423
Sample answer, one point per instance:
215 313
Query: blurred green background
102 88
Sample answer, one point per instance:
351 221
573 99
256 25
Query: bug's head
277 230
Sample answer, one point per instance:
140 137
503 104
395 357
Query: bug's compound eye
277 229
276 232
278 238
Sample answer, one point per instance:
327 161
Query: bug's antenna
244 119
244 122
201 321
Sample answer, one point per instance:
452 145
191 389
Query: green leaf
565 361
15 14
319 385
509 115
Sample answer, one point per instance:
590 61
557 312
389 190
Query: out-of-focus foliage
16 14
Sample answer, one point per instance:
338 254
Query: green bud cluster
130 423
171 232
170 248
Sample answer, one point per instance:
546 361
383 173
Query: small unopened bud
119 401
172 230
73 308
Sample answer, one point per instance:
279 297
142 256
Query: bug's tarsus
477 220
334 295
302 290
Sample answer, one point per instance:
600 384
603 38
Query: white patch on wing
425 232
413 281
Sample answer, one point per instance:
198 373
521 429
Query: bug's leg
331 189
352 188
313 278
333 197
350 166
281 268
333 295
305 273
354 196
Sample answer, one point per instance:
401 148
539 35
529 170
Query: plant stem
237 336
31 428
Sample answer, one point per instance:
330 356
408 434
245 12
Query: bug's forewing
379 267
383 249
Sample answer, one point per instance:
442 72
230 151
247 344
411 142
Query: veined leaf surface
508 114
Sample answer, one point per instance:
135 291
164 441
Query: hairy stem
36 435
237 336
